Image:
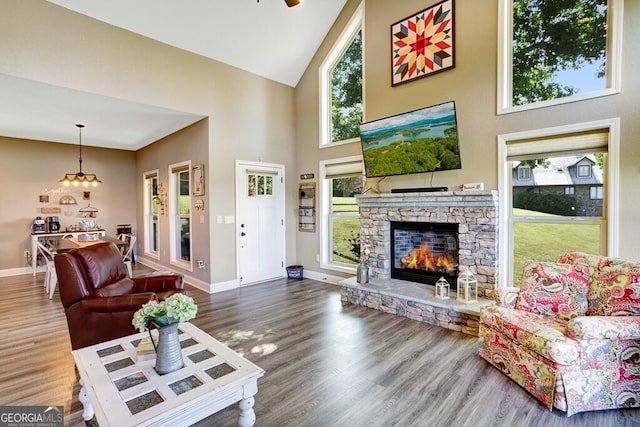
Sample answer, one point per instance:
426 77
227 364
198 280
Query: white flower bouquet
176 308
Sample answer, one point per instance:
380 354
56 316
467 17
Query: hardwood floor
327 363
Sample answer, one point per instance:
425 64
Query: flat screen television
418 141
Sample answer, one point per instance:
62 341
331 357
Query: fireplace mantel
475 212
473 198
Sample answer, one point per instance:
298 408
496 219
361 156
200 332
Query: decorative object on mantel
467 287
68 200
165 316
423 44
79 178
362 272
44 199
442 288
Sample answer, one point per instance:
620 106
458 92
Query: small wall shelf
307 207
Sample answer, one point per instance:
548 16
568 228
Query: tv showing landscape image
419 141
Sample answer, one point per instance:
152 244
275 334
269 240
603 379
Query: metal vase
168 351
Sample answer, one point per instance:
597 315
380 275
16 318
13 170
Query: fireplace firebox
424 251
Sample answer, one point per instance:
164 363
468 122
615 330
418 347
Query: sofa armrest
128 302
158 283
604 327
506 296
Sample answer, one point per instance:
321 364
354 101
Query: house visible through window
341 106
555 211
584 171
596 193
524 172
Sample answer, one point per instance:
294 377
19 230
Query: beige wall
189 144
249 117
30 169
472 85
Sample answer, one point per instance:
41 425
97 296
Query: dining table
65 245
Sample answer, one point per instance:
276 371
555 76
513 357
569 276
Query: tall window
340 221
181 214
152 211
341 87
540 218
558 51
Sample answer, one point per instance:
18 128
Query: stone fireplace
460 229
474 213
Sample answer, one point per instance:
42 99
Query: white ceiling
263 37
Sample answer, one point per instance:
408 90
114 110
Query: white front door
260 221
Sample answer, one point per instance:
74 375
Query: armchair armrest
506 296
129 302
158 283
604 327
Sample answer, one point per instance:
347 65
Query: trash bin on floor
295 272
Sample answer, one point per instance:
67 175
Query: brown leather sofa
99 298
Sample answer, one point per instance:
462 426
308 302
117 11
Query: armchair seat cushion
121 287
541 334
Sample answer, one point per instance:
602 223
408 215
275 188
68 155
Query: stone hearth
475 212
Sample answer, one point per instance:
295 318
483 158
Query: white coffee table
121 392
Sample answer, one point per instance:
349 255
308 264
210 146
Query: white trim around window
336 167
173 200
355 24
505 84
612 126
151 221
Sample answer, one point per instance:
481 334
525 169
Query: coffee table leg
87 413
247 417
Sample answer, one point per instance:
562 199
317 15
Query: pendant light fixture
80 178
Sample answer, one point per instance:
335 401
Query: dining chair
50 277
127 252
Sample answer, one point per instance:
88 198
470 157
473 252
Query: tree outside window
346 93
559 48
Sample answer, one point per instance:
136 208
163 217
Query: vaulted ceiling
264 37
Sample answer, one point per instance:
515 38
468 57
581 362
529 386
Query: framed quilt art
423 44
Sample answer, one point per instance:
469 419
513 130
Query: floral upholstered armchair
570 335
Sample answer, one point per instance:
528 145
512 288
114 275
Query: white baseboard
17 271
209 288
322 277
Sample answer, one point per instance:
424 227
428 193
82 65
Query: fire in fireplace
424 251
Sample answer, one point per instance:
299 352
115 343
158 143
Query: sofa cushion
555 289
615 291
544 335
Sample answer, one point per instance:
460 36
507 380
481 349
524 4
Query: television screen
423 140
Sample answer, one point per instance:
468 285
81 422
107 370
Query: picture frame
44 199
423 44
198 180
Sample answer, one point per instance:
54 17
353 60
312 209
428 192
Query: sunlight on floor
236 339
